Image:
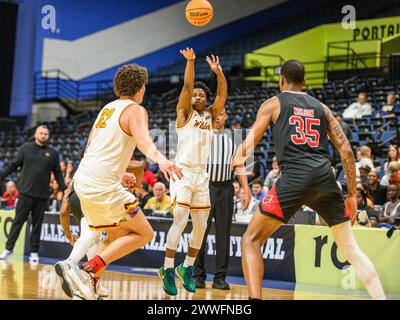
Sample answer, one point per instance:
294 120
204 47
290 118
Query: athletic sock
94 265
189 261
169 263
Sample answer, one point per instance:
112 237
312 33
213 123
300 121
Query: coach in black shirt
37 161
221 196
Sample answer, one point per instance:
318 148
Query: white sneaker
61 269
5 254
102 291
82 281
34 257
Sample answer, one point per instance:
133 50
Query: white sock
189 261
86 240
169 263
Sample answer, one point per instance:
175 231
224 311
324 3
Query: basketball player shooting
120 127
191 194
301 126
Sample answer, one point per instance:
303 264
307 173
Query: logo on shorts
267 199
47 154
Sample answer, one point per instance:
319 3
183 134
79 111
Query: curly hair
129 79
201 85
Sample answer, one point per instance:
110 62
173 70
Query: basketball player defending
120 126
191 194
89 240
301 126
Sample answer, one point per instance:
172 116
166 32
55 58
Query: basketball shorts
192 191
104 207
287 196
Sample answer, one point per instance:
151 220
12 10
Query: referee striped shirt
222 150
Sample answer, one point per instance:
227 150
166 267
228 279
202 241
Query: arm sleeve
58 174
15 163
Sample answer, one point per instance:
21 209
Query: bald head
42 135
11 187
159 190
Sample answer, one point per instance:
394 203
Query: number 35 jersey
194 140
109 148
300 133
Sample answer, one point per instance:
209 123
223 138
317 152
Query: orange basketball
199 12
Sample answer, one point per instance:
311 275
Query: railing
57 85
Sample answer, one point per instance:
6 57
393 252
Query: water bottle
54 206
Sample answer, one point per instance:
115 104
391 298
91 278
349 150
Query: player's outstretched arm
138 124
343 146
264 116
222 86
184 106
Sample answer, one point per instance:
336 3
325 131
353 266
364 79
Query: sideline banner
277 253
317 260
6 220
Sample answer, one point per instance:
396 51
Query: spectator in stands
273 175
144 194
69 172
63 168
345 126
364 171
358 109
364 159
390 109
364 188
160 204
393 155
148 177
236 191
391 209
10 196
362 205
56 197
244 215
257 189
392 172
37 160
377 191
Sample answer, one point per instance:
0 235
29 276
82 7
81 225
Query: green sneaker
168 278
187 276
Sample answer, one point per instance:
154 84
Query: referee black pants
221 196
25 206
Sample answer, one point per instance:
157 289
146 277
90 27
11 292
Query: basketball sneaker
82 281
168 278
186 274
61 269
5 254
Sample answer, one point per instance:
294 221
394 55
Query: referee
37 161
221 195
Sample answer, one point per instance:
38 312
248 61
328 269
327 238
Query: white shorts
192 191
103 207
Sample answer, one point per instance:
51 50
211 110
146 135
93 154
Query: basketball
199 12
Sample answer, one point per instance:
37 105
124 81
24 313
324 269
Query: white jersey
194 140
109 150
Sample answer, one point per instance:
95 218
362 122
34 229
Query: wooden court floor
21 280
